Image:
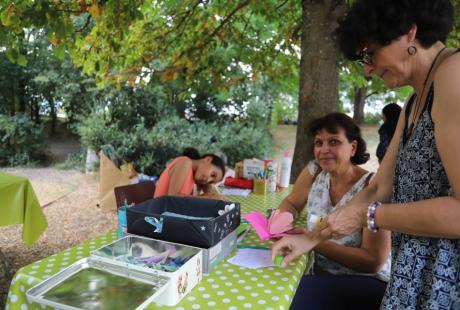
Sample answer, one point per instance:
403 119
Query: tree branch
371 94
183 21
281 5
224 22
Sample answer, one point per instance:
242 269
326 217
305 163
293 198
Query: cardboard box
252 168
239 170
133 262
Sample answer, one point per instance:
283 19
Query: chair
134 193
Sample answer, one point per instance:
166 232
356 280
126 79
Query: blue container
122 222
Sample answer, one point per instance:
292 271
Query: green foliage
372 118
74 161
150 149
22 141
186 41
283 109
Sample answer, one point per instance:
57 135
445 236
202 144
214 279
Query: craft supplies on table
214 255
134 271
228 191
196 221
252 258
272 171
261 225
260 186
252 168
285 173
227 286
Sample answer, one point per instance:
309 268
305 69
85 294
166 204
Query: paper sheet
236 191
252 258
260 224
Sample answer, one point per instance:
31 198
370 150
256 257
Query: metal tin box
129 273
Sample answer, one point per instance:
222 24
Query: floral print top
319 205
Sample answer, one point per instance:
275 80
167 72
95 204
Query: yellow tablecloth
19 205
227 286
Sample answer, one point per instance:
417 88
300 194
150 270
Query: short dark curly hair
332 122
382 21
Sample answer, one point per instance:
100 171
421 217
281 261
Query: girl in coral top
191 174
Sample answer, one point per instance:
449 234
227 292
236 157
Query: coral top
162 185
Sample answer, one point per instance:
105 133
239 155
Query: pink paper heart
260 224
280 222
272 216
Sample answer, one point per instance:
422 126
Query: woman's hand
344 221
293 246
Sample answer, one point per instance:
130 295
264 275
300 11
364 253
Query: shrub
372 118
74 161
151 149
22 141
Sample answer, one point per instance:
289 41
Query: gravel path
71 213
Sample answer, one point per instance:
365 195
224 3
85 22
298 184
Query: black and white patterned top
425 272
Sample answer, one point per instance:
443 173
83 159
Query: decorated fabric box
217 253
129 273
192 221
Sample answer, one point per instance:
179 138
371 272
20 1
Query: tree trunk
319 77
358 104
53 114
178 104
35 107
22 96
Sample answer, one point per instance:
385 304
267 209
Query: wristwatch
371 216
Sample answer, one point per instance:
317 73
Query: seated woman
191 175
348 272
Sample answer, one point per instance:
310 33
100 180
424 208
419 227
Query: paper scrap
252 258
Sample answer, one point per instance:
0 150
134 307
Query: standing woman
390 114
416 191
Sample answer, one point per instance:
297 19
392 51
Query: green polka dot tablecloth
227 286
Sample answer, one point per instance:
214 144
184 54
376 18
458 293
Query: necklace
419 98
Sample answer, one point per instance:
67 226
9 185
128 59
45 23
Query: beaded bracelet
371 216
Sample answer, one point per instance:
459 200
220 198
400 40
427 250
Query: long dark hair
193 153
391 112
332 122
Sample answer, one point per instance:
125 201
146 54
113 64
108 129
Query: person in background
191 175
416 191
350 273
390 115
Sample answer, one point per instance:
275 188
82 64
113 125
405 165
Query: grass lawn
284 139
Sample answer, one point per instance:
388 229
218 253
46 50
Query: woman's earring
411 50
